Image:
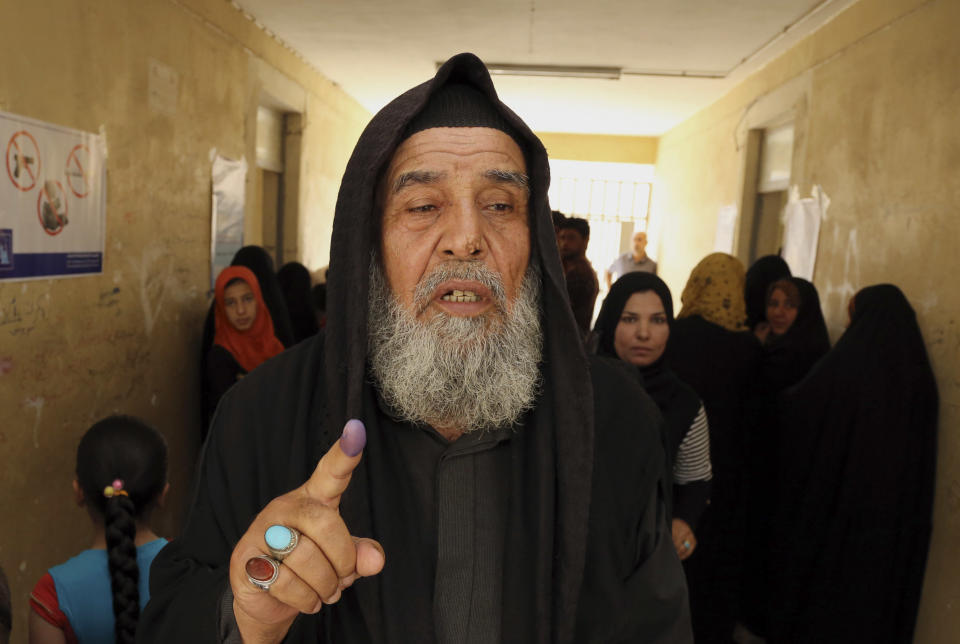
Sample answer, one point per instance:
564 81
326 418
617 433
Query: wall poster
53 191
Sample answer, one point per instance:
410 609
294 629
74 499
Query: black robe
721 366
786 360
296 286
589 555
857 465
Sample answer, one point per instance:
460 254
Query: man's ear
162 499
78 494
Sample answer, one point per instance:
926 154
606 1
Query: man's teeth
461 296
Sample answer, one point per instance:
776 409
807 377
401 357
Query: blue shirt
84 594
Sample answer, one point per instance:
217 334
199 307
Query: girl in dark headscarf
857 467
244 333
296 286
764 272
634 326
711 350
794 338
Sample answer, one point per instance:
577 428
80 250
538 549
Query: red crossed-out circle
14 146
73 166
43 193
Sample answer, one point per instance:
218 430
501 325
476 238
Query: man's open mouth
460 296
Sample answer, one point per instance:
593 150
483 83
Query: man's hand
683 539
327 558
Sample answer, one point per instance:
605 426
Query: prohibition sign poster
52 200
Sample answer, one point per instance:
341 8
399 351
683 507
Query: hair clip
115 489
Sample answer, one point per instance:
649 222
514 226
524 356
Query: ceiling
677 56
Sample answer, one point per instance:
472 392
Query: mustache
473 270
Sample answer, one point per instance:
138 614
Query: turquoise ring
281 540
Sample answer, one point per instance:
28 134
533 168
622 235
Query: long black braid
127 450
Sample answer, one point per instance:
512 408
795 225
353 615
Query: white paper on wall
801 231
226 226
726 229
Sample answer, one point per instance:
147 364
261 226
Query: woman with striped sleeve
634 326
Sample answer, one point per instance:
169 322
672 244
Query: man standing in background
632 262
573 235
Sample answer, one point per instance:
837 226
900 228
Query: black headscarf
858 459
789 357
296 287
678 403
764 272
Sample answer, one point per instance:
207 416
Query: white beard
464 373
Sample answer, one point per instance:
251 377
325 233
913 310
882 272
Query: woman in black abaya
711 350
297 289
794 336
634 326
857 466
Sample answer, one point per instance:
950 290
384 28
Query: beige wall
600 147
874 96
128 340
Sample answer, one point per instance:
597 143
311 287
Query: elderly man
634 262
500 487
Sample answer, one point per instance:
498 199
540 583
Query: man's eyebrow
517 179
416 176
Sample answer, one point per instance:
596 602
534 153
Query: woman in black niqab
858 458
764 272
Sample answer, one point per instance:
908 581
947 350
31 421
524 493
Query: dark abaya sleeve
258 449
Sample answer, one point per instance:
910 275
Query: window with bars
613 197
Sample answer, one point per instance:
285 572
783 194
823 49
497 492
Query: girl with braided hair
97 595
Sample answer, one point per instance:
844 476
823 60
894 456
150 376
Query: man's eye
424 208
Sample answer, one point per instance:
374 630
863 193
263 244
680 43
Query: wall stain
36 404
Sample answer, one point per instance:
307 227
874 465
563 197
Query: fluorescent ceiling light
578 71
556 71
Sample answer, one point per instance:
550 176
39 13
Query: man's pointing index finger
335 468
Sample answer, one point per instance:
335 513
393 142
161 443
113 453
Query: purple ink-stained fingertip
354 437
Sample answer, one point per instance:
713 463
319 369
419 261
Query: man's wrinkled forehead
399 174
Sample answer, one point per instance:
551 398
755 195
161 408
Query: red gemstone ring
262 571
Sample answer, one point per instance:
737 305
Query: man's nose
463 236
